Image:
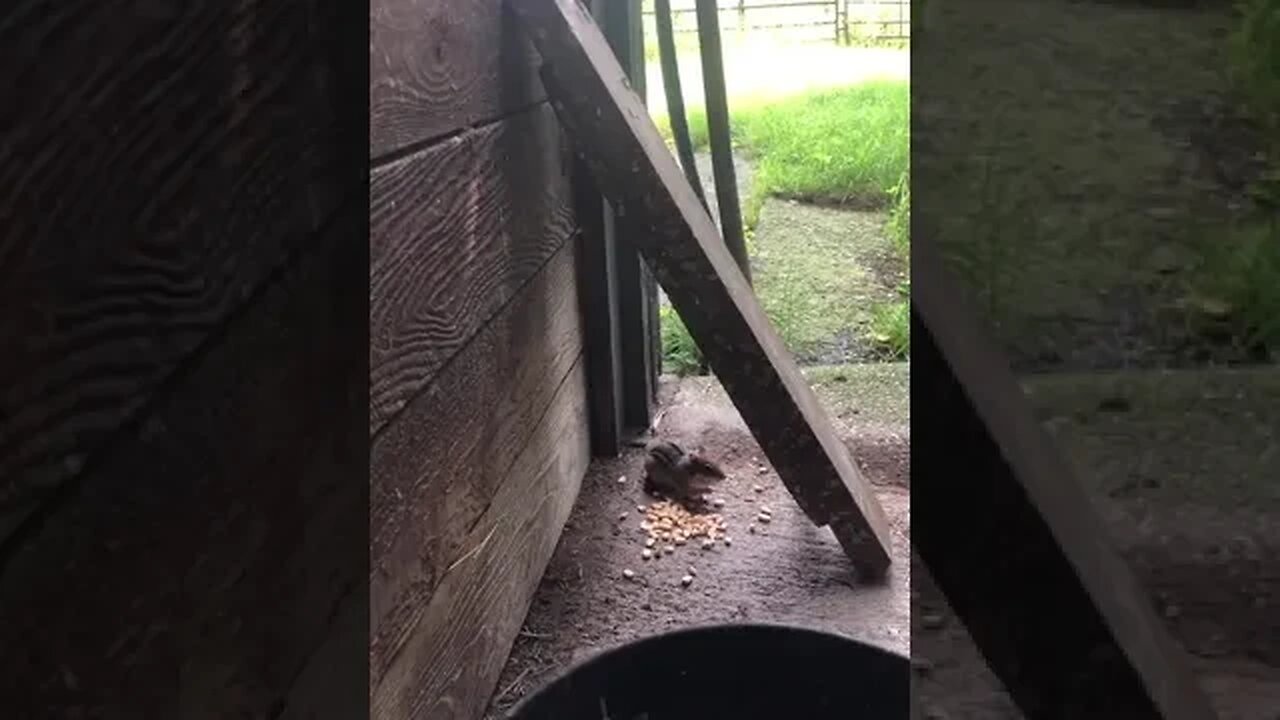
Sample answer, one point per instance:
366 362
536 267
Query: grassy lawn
822 149
828 281
1076 179
1076 176
842 145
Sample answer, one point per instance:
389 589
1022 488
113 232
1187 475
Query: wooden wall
183 378
478 395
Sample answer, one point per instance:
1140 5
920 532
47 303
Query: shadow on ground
1184 469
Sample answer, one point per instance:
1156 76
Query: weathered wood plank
146 195
457 650
438 66
634 167
196 568
454 232
1013 542
437 467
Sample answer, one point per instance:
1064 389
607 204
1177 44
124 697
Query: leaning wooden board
677 238
1056 613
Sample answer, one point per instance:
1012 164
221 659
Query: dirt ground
786 571
1183 468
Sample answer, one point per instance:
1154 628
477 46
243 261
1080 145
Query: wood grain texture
437 66
633 166
1103 653
437 468
449 668
156 165
198 566
455 231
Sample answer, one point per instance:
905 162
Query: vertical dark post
675 96
637 289
598 293
719 133
598 289
742 15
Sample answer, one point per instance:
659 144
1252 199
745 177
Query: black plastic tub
730 672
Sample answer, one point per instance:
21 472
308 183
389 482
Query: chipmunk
678 475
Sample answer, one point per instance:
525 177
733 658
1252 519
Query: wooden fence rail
866 19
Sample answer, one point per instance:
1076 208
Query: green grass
815 280
891 322
836 146
1241 272
816 277
899 225
680 354
1076 172
1255 58
845 145
1239 286
891 328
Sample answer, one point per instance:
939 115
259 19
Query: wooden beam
1013 542
633 166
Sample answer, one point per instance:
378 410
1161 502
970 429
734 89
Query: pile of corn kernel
667 525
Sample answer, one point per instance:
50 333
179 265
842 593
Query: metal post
675 96
708 14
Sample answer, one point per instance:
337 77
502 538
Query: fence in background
877 20
841 21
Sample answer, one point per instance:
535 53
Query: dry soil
784 571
